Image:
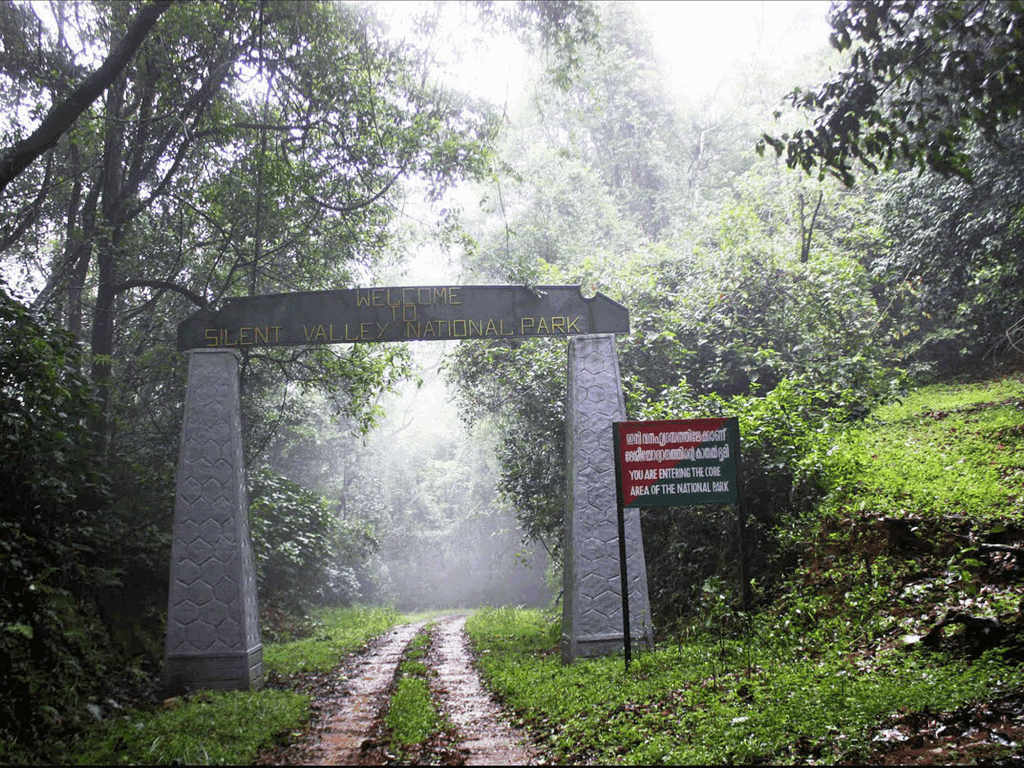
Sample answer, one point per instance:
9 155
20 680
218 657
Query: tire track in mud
347 727
486 736
347 732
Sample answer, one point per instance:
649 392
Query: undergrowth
896 592
233 727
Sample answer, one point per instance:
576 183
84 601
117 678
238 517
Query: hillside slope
894 634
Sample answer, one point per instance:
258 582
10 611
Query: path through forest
348 729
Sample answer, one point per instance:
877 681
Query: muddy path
349 705
485 735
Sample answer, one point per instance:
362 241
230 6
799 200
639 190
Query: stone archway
213 636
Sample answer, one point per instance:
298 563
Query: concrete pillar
592 599
213 628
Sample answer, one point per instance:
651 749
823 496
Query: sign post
673 464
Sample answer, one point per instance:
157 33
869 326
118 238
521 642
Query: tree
923 76
64 114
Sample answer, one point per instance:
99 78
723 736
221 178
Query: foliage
52 636
923 77
697 702
522 386
304 552
950 279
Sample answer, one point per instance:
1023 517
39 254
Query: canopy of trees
248 147
923 77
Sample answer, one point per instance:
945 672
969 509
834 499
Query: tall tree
923 75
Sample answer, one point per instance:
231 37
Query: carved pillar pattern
213 631
592 602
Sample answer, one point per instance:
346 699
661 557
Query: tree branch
62 116
164 285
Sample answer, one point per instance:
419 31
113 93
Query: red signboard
677 463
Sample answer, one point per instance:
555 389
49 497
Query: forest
809 241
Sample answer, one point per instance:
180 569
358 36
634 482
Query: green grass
232 727
707 701
945 452
209 728
412 718
338 631
814 673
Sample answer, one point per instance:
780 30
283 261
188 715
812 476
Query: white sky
698 39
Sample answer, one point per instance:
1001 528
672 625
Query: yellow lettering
558 325
264 332
348 334
441 296
419 296
501 323
307 332
381 329
378 297
455 329
331 332
542 326
277 333
225 339
211 341
453 297
362 298
242 333
392 303
572 324
321 334
408 312
491 328
366 330
475 329
526 322
406 300
411 331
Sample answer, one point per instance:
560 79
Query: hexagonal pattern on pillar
213 637
592 602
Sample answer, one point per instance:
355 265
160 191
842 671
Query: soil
348 728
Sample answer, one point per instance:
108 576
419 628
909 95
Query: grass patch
337 631
412 718
711 701
206 728
233 727
949 451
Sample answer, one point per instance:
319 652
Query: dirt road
347 726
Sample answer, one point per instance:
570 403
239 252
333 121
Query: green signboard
417 313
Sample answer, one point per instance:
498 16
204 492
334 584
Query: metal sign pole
623 576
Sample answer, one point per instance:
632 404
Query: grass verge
708 701
899 613
233 727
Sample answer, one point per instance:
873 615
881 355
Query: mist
420 488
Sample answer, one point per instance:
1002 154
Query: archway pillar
592 597
213 630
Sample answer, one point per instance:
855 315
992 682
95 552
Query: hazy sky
697 39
